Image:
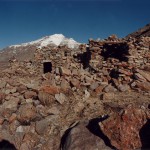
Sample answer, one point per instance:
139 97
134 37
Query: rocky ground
145 31
95 97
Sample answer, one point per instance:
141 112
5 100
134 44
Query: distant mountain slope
26 50
56 40
145 31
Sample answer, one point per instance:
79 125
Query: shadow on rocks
5 145
145 136
64 137
94 128
86 135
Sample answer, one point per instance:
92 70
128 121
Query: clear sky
27 20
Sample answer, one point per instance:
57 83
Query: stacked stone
139 51
92 64
40 106
121 72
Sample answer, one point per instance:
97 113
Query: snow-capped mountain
26 50
56 40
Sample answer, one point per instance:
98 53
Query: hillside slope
145 31
26 50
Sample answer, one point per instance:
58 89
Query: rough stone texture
145 31
145 74
45 98
3 84
83 84
29 141
30 94
64 71
51 143
145 86
2 96
80 138
41 126
26 113
75 82
60 98
21 88
50 90
12 104
64 85
123 128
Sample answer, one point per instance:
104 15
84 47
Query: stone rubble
40 98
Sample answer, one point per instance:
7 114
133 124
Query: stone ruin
123 63
42 97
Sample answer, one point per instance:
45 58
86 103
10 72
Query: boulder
75 82
64 71
30 94
50 89
80 138
94 85
60 98
21 89
145 86
123 127
41 126
64 85
45 98
12 104
145 74
26 113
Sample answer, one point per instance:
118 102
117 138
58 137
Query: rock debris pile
40 98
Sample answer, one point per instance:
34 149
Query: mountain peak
55 39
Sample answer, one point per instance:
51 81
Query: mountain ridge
26 50
55 39
144 31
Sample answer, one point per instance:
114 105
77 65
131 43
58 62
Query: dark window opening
119 51
84 58
5 145
114 73
47 67
65 53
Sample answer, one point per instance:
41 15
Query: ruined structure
41 97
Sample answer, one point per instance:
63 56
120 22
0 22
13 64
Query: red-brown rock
45 98
64 71
145 74
99 89
2 96
122 128
30 94
22 88
145 86
75 82
51 89
26 113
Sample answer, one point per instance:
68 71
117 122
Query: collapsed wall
122 63
121 59
42 96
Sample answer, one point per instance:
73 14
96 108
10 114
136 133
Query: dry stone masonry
41 97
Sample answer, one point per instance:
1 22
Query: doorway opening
47 67
119 51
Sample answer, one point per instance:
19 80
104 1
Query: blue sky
27 20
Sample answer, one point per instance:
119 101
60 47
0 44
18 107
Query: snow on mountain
56 39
